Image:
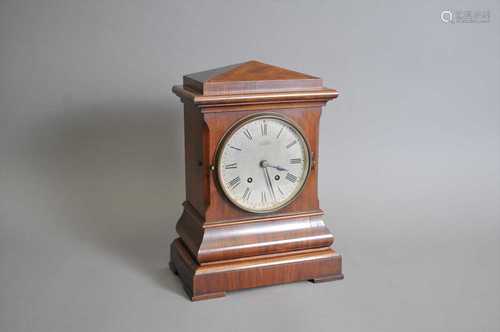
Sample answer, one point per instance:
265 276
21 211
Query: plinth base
213 279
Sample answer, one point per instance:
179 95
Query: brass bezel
240 123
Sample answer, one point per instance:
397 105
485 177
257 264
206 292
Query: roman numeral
279 133
235 148
247 134
229 166
263 128
263 198
290 177
234 182
291 144
246 194
295 161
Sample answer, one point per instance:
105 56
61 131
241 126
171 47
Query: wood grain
209 243
211 281
250 77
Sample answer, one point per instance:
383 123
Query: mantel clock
251 215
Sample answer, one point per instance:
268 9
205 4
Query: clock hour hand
265 164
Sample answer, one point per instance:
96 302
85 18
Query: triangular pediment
249 78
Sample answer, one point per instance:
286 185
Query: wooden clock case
221 247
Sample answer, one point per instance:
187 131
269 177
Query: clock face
263 163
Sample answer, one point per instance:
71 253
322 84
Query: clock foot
213 279
171 265
329 278
206 296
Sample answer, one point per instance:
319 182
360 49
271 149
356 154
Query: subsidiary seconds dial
263 163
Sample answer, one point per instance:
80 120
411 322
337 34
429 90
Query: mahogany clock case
222 247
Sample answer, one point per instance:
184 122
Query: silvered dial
263 163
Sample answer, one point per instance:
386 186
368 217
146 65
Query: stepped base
213 279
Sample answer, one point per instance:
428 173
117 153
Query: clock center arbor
251 215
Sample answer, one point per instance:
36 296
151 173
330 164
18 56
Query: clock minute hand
268 179
270 183
265 164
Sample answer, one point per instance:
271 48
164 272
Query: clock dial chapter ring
263 162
